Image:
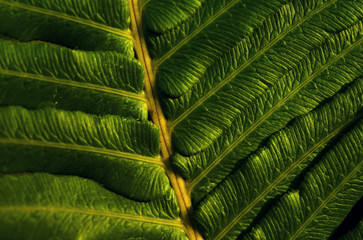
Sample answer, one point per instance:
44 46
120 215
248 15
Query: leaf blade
270 172
326 207
88 211
73 23
64 142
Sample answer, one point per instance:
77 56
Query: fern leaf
180 119
75 143
273 168
325 196
227 125
217 113
93 82
44 206
96 25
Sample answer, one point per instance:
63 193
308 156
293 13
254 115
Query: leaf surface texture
67 207
250 109
254 93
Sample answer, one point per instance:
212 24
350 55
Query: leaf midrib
157 116
82 148
238 70
72 83
119 32
174 223
269 113
281 177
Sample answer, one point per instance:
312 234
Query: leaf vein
73 84
185 40
174 223
67 17
75 147
331 195
269 113
280 178
230 77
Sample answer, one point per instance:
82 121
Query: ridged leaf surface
275 168
254 92
85 145
78 157
176 119
87 25
327 193
93 82
44 206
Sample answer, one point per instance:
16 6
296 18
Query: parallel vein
281 177
185 40
331 195
238 70
82 148
270 112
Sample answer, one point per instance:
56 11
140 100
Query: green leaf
325 196
44 206
297 47
93 82
96 25
273 168
74 143
174 13
155 119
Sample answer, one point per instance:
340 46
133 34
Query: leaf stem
158 118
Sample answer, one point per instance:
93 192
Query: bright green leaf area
262 100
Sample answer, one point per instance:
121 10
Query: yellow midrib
158 118
72 210
72 83
82 148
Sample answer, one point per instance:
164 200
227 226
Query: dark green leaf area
36 75
355 234
44 206
96 25
233 205
325 196
325 72
313 45
122 154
